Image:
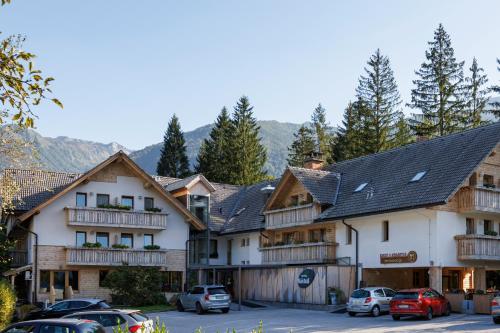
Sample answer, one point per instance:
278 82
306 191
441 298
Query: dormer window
418 176
81 199
488 181
360 187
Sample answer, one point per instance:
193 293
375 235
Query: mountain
276 137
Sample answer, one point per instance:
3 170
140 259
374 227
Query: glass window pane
128 201
102 277
81 199
102 238
148 240
21 329
102 200
127 239
198 205
81 238
59 278
54 329
44 280
73 279
148 203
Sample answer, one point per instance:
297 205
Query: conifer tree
477 99
173 159
496 89
350 139
247 153
379 91
402 132
214 158
301 147
438 91
321 131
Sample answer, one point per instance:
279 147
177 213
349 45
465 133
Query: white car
134 320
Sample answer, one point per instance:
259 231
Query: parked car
66 307
55 326
495 308
423 302
204 298
373 300
136 321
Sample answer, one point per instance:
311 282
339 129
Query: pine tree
438 91
379 91
173 160
402 132
477 98
247 153
213 158
496 89
301 147
350 139
321 131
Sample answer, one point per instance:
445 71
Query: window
291 237
385 231
378 293
198 291
213 249
243 242
21 329
348 237
148 239
102 200
44 280
128 201
81 238
127 239
488 226
59 280
470 226
102 238
73 280
78 304
418 176
54 328
102 277
316 236
389 292
360 187
294 200
149 203
488 181
60 306
416 279
198 205
248 241
171 281
81 199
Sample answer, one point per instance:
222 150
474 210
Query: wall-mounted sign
398 257
306 278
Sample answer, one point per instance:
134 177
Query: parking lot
295 320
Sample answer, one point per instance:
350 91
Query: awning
18 270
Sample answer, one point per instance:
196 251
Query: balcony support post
479 278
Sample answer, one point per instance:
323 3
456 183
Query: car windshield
138 316
406 295
360 293
217 291
104 305
92 328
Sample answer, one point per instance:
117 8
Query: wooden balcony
115 257
478 247
291 216
478 199
19 258
104 217
307 253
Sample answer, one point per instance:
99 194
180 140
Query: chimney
422 138
315 161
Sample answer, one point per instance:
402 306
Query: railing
19 258
291 216
472 199
478 247
115 257
299 253
104 217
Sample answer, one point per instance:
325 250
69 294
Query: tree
379 91
321 131
477 98
402 132
351 135
438 91
301 147
248 155
214 159
173 159
496 89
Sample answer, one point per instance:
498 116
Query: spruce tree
321 132
173 160
496 89
350 139
247 153
402 132
301 147
379 91
477 98
214 158
438 91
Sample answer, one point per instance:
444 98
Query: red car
422 302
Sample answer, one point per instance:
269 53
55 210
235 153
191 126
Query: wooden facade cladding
306 253
291 216
477 199
115 257
104 217
478 247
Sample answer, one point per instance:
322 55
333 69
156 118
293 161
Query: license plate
403 306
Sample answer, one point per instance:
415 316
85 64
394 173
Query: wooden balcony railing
103 217
478 199
307 253
291 216
115 257
478 247
19 258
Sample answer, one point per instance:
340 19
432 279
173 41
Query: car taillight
134 328
368 300
207 297
494 303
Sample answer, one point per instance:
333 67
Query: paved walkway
295 320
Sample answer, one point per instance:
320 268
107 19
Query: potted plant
152 247
482 302
335 295
119 246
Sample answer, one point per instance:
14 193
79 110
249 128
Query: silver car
133 320
495 308
203 298
373 300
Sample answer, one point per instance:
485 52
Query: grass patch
150 308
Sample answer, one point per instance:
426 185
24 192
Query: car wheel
375 311
179 306
395 317
429 315
352 314
448 310
199 309
496 320
225 310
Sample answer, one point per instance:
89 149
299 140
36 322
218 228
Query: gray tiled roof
319 183
448 161
180 183
222 203
164 181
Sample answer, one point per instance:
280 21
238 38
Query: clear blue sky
122 68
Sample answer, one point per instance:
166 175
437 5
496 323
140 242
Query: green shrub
152 247
92 245
7 303
119 246
153 209
115 207
491 233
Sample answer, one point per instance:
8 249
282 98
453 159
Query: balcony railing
104 217
115 257
477 199
19 258
291 216
307 253
478 247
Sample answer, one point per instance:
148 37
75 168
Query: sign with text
398 257
306 278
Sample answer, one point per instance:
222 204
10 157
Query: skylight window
360 187
418 176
